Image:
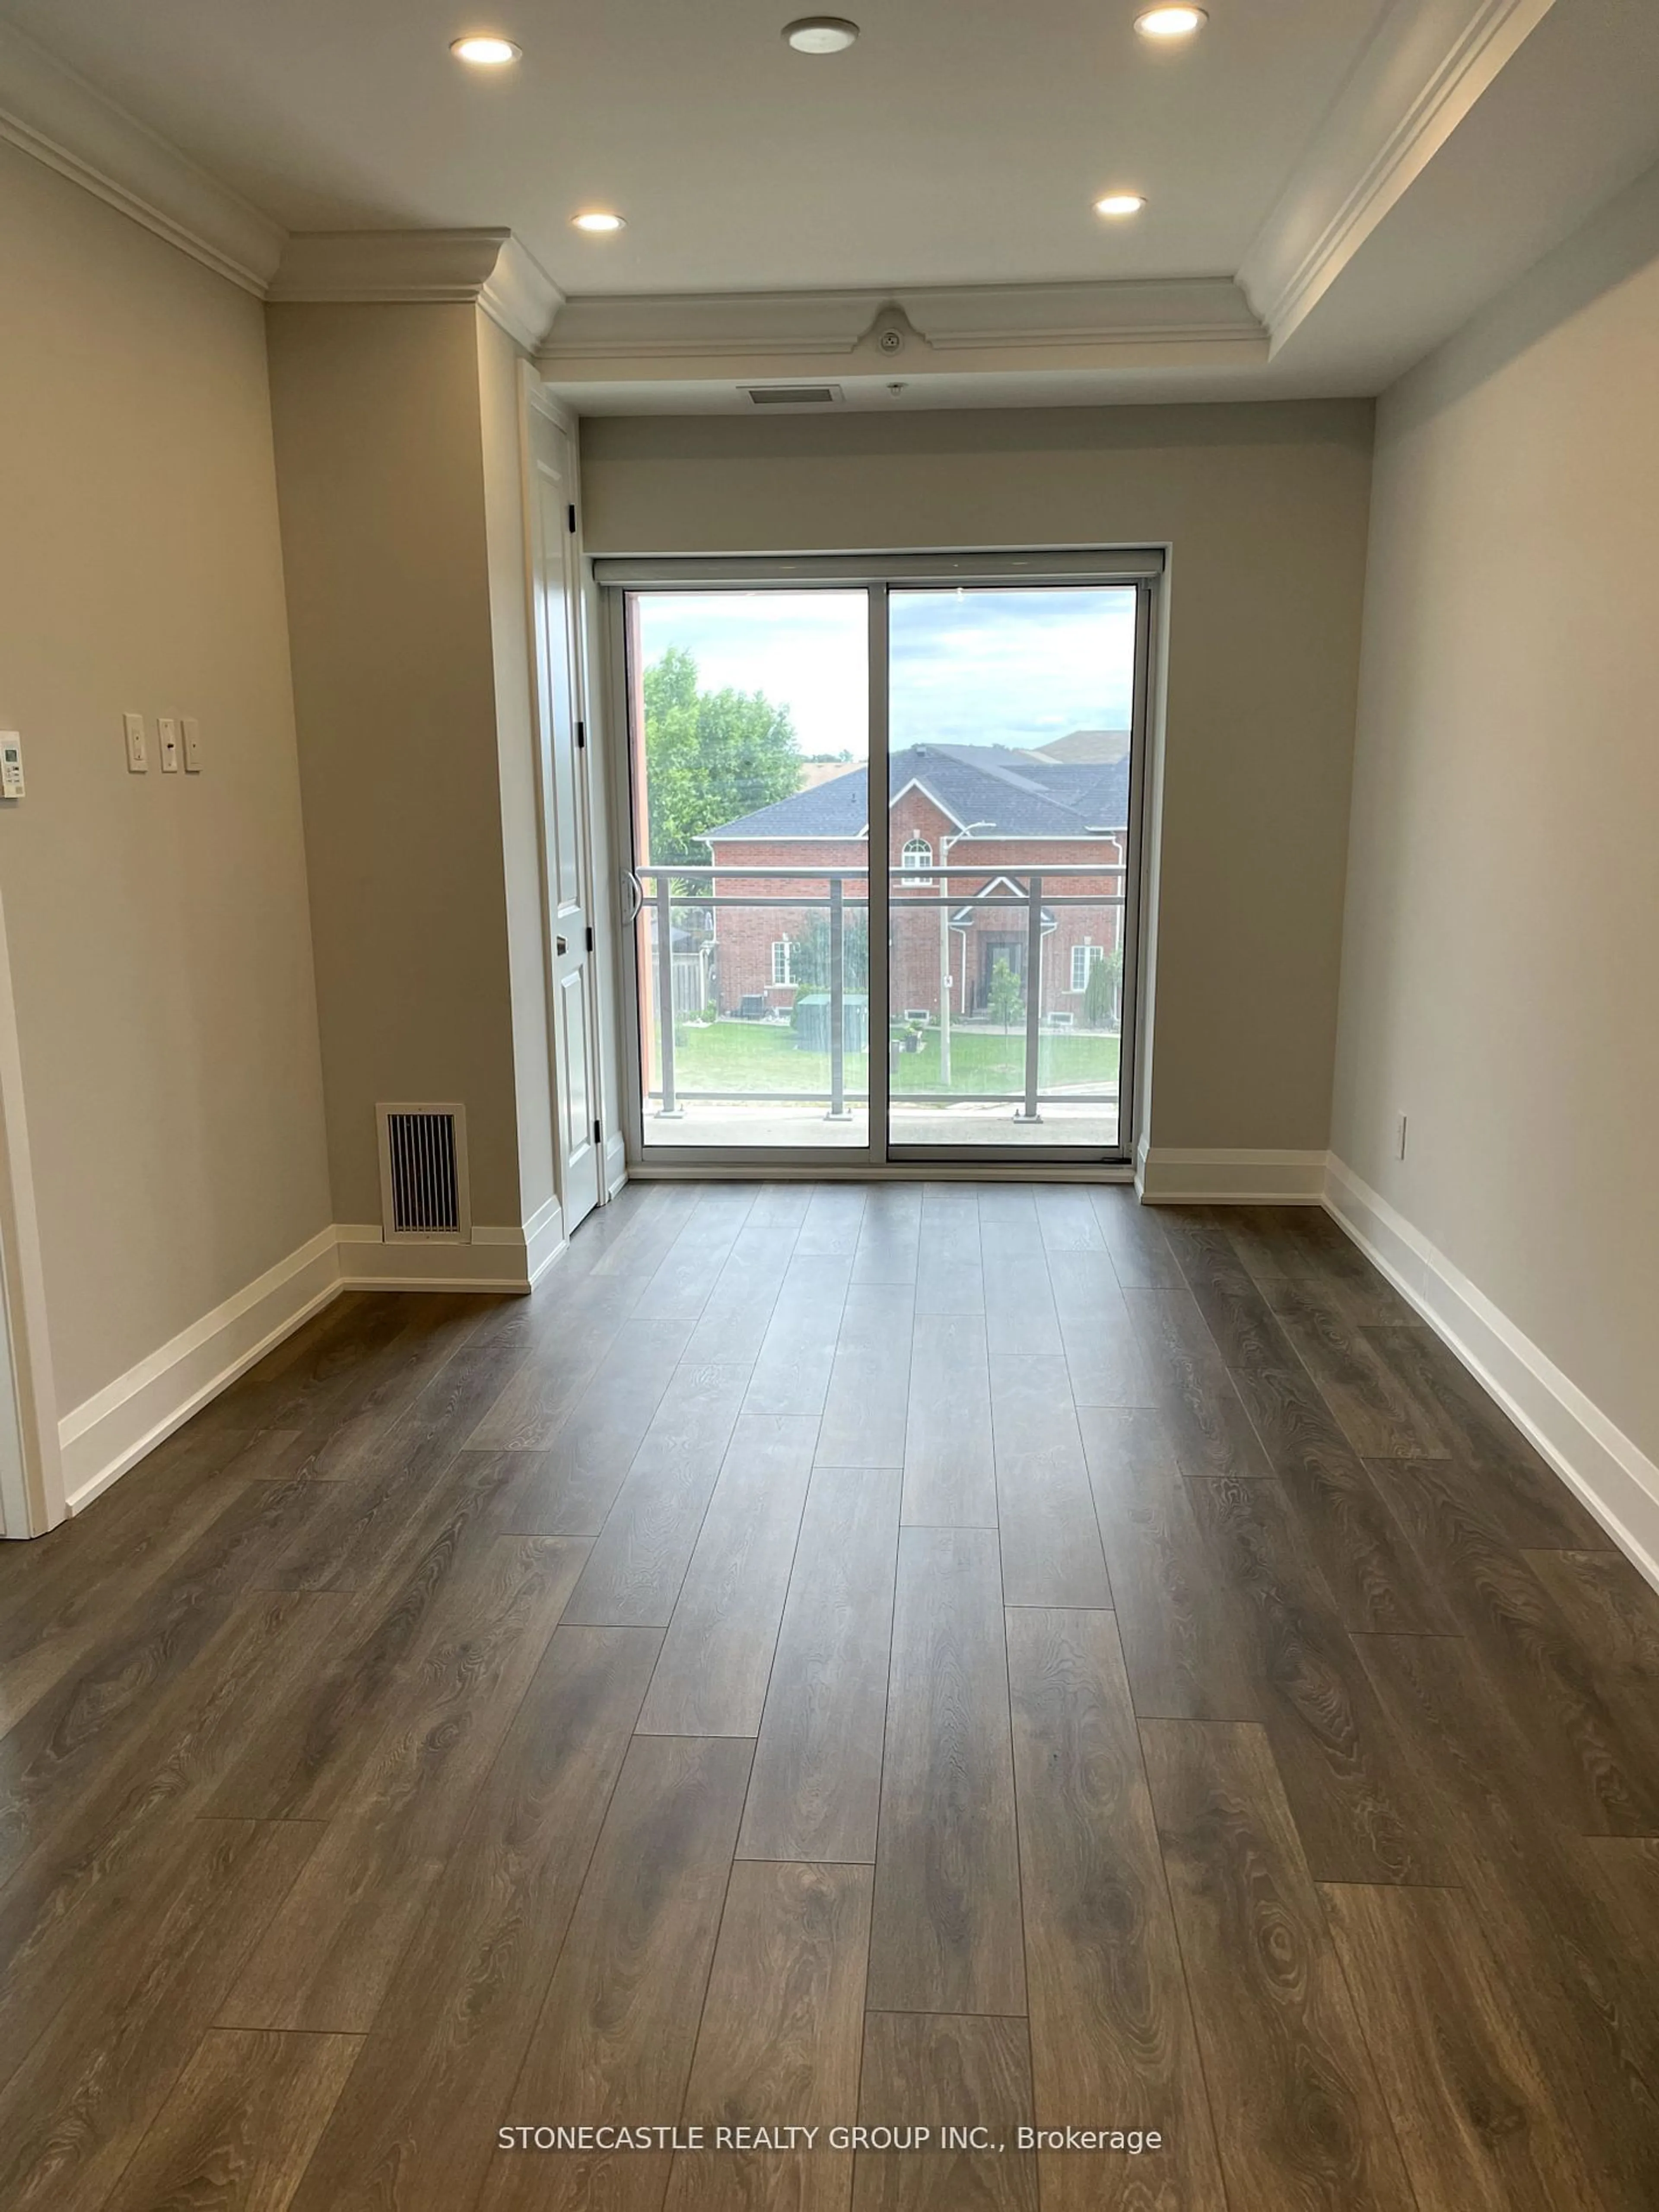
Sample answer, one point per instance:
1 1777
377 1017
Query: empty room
695 1521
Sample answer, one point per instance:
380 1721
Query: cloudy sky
1011 667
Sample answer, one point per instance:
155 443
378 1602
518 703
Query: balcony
766 970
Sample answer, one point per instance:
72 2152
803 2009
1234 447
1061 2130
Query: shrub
1004 999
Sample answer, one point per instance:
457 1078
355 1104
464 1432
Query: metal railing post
668 1111
837 1010
944 978
1028 1112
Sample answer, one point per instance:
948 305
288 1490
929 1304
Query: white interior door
569 855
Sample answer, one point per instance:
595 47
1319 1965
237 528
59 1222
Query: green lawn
758 1056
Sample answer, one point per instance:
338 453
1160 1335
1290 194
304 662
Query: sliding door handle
634 905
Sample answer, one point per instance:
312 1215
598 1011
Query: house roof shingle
1018 795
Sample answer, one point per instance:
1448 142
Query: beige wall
1501 968
1264 507
160 944
380 466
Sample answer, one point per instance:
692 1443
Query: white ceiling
958 142
1334 184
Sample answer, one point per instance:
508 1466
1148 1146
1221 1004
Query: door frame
538 401
31 1498
1141 568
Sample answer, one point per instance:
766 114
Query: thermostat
11 764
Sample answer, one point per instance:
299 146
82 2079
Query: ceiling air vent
794 395
423 1186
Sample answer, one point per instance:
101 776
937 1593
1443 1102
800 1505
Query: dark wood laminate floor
912 1656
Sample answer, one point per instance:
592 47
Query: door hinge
581 735
598 1133
570 513
590 939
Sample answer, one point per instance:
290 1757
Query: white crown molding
423 267
756 333
1426 66
520 295
652 326
382 266
49 112
1182 311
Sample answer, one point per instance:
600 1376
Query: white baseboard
660 1166
495 1260
101 1438
544 1239
1167 1174
616 1163
1611 1475
107 1433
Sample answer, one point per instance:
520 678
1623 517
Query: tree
709 757
809 961
1100 999
1005 998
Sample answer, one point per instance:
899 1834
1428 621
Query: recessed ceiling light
486 51
821 34
1121 203
599 221
1170 22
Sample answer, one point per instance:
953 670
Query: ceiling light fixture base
1169 22
820 34
486 50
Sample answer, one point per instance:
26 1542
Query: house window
1084 958
917 858
783 960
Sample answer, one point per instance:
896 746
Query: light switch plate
11 764
192 730
137 750
167 740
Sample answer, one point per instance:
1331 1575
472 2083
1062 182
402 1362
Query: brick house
998 809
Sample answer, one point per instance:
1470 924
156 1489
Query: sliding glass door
749 811
767 702
1011 714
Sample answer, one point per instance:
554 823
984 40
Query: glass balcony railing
1004 1004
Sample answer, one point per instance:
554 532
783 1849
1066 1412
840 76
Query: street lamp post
951 838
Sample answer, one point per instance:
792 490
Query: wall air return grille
423 1185
793 395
